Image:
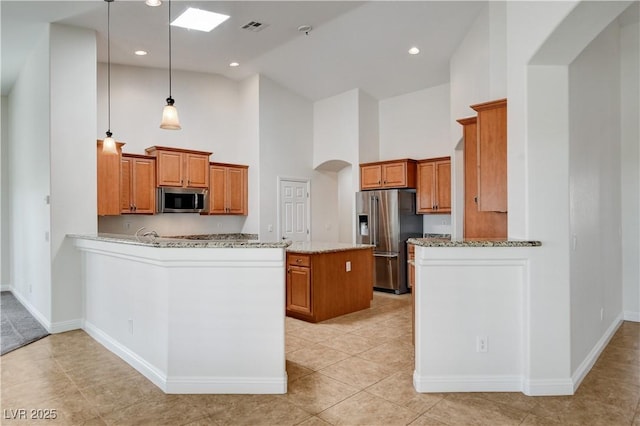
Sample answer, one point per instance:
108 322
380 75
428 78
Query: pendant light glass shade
153 3
170 113
170 119
109 145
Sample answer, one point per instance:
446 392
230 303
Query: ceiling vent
254 26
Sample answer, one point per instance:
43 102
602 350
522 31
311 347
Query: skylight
198 19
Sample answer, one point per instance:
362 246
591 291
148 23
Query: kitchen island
472 315
192 315
326 280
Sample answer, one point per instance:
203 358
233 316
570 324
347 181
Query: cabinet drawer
298 260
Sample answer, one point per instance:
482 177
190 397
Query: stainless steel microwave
181 200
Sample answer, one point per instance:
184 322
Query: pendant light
109 144
170 113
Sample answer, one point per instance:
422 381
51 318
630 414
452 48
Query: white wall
416 125
72 164
335 129
29 180
477 74
337 148
5 258
286 148
250 137
595 198
630 167
216 114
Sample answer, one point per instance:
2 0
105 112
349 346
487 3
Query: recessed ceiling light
198 19
153 3
234 64
140 52
414 51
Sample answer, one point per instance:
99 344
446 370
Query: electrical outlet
481 344
601 314
348 266
127 226
130 326
270 228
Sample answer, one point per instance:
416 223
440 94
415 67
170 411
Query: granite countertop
190 241
471 242
311 247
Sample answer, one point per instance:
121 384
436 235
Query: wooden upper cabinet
477 224
492 155
197 173
434 186
138 184
108 168
181 167
388 174
228 191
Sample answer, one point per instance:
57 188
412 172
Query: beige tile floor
352 370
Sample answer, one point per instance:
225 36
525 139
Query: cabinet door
108 178
170 168
477 224
394 175
443 186
197 171
126 205
371 176
425 191
299 290
143 185
217 190
236 190
492 156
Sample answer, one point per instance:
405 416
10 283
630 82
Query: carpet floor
19 327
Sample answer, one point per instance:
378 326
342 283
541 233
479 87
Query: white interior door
294 210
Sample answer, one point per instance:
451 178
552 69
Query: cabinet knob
378 182
298 260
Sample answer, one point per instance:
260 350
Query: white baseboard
586 365
467 383
63 326
156 376
227 385
6 287
548 387
32 310
632 316
188 385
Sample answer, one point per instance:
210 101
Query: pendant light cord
109 66
169 49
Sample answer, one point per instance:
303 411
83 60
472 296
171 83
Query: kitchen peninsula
472 304
192 315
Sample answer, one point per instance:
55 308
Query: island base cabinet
325 285
299 290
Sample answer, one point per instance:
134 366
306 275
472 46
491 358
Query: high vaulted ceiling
351 45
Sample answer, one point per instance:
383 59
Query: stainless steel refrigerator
386 219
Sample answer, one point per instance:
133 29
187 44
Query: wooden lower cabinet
319 287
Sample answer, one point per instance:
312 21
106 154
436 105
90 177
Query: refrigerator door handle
389 255
374 220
